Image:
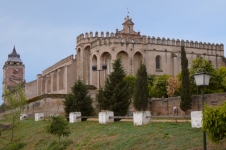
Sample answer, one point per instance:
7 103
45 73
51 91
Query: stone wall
157 106
71 75
164 106
31 89
50 103
46 105
57 65
57 79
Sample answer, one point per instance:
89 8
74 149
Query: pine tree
186 101
79 100
116 93
140 96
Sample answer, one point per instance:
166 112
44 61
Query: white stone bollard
104 117
53 115
73 117
196 119
139 118
23 116
39 116
110 113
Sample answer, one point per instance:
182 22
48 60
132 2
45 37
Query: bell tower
13 71
128 29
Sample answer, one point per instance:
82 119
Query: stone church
161 56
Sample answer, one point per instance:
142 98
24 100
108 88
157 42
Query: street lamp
202 79
104 67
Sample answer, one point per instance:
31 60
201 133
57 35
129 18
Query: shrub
214 122
159 86
173 86
58 127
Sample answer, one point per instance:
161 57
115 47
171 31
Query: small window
158 62
210 62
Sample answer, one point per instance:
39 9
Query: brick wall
16 76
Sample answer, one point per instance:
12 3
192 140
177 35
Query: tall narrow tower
13 71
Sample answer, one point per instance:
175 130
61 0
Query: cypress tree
186 101
116 93
79 100
140 96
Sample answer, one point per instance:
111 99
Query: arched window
157 62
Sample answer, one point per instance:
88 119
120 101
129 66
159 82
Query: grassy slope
119 135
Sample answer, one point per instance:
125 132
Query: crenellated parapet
112 38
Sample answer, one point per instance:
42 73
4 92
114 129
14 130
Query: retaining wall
164 106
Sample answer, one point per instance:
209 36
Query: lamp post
198 97
202 79
104 67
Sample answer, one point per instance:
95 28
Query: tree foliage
151 79
216 82
224 82
58 127
79 100
3 107
186 101
15 100
140 96
159 86
116 94
173 86
131 80
21 98
221 72
214 121
200 64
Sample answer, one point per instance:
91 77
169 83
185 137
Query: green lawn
119 135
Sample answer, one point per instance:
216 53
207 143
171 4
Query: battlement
63 61
117 38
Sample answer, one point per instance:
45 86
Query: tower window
128 29
158 62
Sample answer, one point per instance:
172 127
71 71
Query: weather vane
127 11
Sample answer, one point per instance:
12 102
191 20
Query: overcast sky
45 31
